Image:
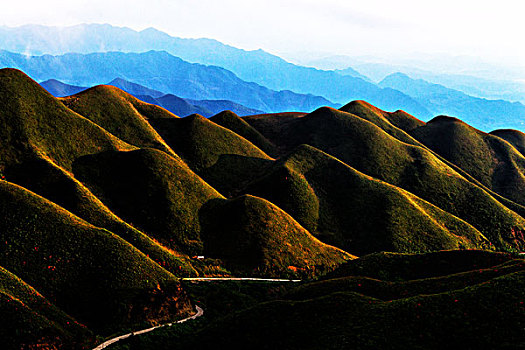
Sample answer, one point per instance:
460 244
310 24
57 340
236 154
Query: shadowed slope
45 178
369 149
514 137
356 212
489 159
223 158
32 122
121 114
162 197
88 272
238 125
29 319
477 309
254 236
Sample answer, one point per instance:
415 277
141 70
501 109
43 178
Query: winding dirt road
199 312
107 343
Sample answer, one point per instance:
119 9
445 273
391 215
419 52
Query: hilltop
106 201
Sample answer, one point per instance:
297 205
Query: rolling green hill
491 160
369 149
68 260
121 114
356 212
475 306
514 137
255 236
105 201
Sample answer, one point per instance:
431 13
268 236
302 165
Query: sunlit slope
369 149
88 272
32 122
257 238
356 212
231 121
223 158
121 114
491 160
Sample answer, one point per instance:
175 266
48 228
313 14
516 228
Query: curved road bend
107 343
199 312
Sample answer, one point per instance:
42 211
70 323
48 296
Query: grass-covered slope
223 158
90 273
48 180
151 190
476 304
514 137
231 121
121 114
369 149
32 122
256 237
489 159
28 319
383 119
356 212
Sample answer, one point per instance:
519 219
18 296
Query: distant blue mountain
252 66
478 112
162 72
179 106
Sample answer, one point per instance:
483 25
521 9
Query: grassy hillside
491 160
223 158
34 122
356 212
514 137
369 149
162 198
231 121
256 237
90 273
29 319
479 304
120 114
50 181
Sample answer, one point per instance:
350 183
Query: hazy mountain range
177 105
267 70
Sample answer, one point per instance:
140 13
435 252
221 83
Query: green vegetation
369 149
358 213
68 260
489 159
120 114
162 198
231 121
255 237
223 158
514 137
27 318
106 200
478 304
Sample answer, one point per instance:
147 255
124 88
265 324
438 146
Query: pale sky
489 29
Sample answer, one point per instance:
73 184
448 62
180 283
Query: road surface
211 279
199 312
107 343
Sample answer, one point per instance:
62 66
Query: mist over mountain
481 113
174 104
252 66
163 72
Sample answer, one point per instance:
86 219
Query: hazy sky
491 29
